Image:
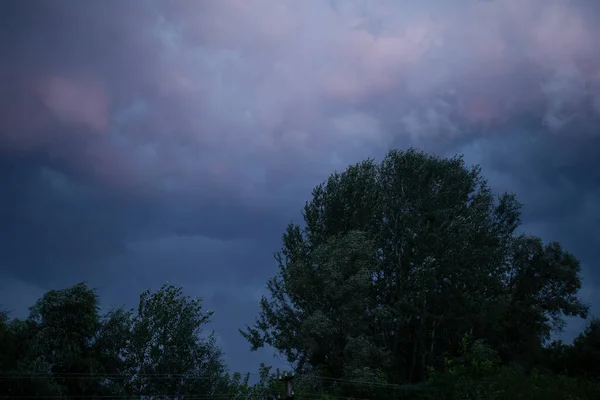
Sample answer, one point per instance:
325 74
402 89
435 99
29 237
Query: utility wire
162 377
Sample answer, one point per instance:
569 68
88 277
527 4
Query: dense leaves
165 341
478 374
65 348
397 262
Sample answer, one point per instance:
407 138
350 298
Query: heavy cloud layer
149 140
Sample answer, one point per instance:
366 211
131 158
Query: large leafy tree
397 261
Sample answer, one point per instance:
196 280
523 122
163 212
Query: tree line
409 278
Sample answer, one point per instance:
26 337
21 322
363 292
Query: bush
477 375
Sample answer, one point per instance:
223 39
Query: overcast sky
144 141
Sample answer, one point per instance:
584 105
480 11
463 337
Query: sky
146 141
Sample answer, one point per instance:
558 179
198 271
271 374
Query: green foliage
66 348
397 262
585 352
478 375
579 359
66 322
165 340
542 282
23 370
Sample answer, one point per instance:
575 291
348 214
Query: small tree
166 342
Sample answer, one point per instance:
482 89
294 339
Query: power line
103 375
304 384
114 376
186 397
306 396
157 377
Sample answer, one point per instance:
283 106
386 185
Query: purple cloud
283 85
134 133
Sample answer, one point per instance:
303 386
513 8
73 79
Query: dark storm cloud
51 224
144 141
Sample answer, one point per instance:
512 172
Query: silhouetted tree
398 261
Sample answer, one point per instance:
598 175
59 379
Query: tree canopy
397 261
65 348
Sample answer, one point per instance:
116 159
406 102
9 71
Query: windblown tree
66 322
66 349
167 354
49 352
398 261
24 371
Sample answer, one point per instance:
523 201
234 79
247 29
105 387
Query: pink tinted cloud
22 123
316 53
77 101
266 82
